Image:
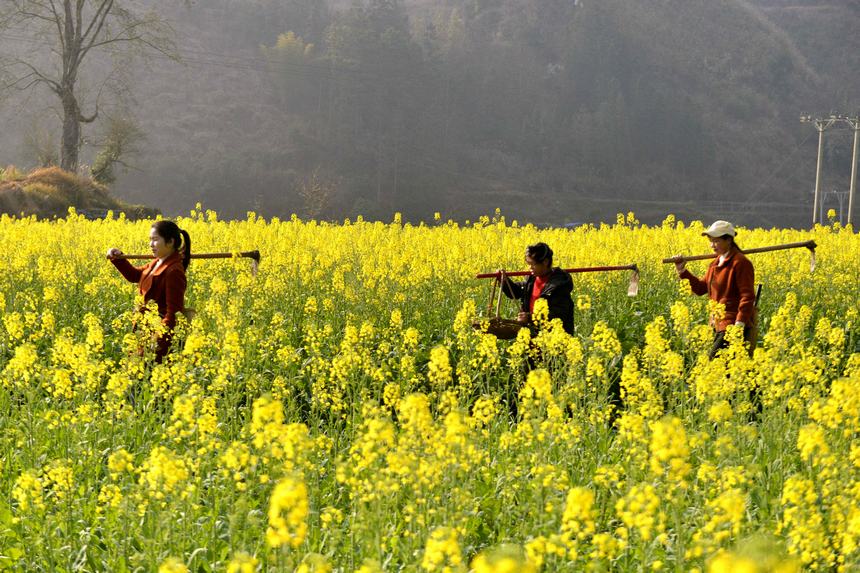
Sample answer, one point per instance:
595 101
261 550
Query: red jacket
732 284
165 285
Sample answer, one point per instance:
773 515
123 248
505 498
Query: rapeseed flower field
337 411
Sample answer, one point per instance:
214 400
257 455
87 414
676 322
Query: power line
779 168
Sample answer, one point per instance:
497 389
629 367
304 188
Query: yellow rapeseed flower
288 513
172 565
442 553
242 562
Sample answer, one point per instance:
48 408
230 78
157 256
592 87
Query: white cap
720 228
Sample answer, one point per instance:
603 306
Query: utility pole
854 122
822 125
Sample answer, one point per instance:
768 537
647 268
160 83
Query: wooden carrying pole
254 255
632 289
806 244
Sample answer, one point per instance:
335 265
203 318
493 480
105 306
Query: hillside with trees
554 110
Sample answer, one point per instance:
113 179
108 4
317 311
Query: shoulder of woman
741 259
175 270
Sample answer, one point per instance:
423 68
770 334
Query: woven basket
501 328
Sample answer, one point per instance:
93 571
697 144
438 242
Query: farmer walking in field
729 280
162 280
545 281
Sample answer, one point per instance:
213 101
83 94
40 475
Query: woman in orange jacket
162 280
729 280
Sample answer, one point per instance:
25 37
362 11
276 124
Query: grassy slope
49 192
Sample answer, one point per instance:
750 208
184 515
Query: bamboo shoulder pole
805 244
253 255
572 271
246 254
632 289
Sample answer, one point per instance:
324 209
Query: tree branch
79 16
141 39
59 23
36 80
34 15
98 19
70 38
42 78
128 165
115 41
129 34
80 8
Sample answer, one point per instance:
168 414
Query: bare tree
59 36
316 191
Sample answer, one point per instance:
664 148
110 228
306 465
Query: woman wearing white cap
729 280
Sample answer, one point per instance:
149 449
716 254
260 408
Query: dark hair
539 252
731 239
170 231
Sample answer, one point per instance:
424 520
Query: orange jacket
164 285
732 284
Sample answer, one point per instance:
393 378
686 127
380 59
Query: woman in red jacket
729 280
162 280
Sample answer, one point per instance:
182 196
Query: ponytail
185 247
734 244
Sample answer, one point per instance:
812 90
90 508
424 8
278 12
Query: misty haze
554 111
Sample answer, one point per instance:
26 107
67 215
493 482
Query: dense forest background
555 111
